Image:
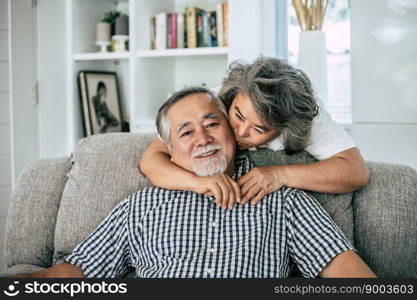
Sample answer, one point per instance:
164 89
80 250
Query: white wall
53 49
384 85
5 124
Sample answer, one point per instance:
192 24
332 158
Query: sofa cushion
385 220
339 207
33 210
104 172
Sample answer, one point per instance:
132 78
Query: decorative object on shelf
312 56
121 35
119 43
103 36
100 102
110 17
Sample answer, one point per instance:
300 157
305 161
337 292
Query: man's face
201 139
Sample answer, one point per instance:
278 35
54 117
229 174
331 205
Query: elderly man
164 233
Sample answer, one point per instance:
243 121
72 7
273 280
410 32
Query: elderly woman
270 104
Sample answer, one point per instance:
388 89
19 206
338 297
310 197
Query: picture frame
100 102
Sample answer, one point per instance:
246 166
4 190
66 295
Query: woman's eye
239 117
259 131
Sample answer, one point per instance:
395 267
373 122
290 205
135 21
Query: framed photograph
100 102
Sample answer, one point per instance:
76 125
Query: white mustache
205 150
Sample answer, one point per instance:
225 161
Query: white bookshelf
184 52
101 56
147 77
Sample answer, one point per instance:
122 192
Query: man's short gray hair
162 124
281 95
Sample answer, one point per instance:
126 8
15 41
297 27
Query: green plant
111 16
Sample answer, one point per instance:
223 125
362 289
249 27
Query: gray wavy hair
162 125
281 95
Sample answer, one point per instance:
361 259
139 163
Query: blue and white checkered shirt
164 233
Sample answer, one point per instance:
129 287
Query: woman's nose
243 131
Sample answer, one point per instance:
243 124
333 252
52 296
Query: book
226 23
185 31
200 32
191 25
206 30
153 33
169 31
219 19
212 28
174 33
161 31
180 30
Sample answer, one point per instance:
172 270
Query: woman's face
249 128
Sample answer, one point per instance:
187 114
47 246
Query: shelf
183 52
101 56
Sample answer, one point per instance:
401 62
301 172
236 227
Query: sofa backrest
104 172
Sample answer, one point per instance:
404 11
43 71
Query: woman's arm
342 173
156 164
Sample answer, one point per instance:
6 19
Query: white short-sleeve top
327 138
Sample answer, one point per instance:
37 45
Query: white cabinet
146 77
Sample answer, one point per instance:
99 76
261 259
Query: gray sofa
57 202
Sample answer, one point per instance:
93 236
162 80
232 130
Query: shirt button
214 224
211 250
210 271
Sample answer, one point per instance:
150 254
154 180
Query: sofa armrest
385 216
33 210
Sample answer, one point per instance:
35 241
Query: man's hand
223 188
63 270
259 182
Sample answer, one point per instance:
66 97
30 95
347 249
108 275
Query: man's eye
186 133
239 117
214 124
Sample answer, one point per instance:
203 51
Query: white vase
312 60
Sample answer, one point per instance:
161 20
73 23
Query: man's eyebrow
210 116
264 128
205 117
182 126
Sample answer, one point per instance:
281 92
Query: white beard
210 165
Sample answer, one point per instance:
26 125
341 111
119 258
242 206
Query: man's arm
63 270
347 265
316 245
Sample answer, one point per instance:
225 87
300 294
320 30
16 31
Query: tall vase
313 61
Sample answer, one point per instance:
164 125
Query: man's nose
203 138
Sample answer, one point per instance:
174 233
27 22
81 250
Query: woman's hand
223 188
261 181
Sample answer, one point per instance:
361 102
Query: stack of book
192 29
